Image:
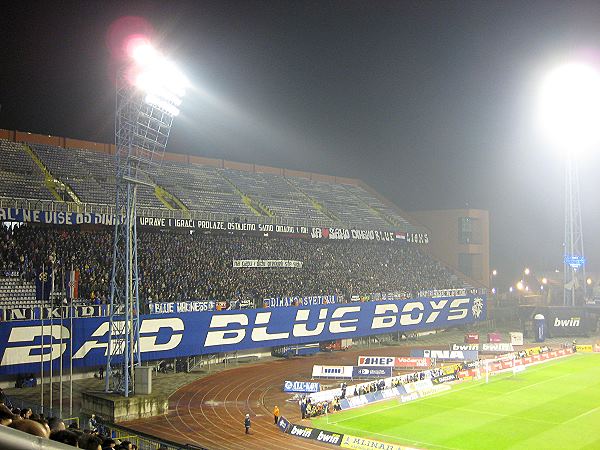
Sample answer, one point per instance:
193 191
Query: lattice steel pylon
143 120
574 258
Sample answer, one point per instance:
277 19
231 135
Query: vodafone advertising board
410 362
401 362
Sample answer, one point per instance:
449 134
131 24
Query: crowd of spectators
176 266
54 428
370 387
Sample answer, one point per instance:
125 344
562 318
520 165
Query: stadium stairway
169 200
54 185
385 217
256 206
318 206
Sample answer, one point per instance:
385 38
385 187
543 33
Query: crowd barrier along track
210 411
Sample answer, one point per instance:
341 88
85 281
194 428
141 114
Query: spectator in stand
66 437
31 427
89 442
56 424
6 415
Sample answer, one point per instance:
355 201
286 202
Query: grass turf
554 405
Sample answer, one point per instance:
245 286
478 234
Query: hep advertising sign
372 372
386 361
399 362
301 386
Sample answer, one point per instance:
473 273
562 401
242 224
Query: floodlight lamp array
160 82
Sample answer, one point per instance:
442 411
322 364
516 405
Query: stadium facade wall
203 161
243 167
446 246
268 169
88 145
176 157
33 138
175 335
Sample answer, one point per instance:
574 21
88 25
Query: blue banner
301 386
372 372
179 335
300 301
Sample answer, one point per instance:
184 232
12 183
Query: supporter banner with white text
74 218
175 335
237 263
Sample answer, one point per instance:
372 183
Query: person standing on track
247 423
276 414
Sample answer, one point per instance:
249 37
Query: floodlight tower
149 90
570 112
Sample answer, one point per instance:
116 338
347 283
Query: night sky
431 103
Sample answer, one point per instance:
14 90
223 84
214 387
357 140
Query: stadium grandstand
259 287
183 263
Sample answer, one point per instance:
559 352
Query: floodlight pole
574 276
141 136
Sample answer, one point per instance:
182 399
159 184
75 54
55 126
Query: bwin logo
364 371
572 322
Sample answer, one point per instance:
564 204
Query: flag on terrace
43 283
72 284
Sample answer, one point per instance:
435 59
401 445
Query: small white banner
516 338
267 263
332 371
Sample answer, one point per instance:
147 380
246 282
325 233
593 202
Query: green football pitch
553 405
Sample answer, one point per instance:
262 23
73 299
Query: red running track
210 411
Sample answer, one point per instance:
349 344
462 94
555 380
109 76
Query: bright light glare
143 53
570 107
157 77
520 286
527 271
544 280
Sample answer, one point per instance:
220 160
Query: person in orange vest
276 414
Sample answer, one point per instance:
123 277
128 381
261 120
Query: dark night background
431 103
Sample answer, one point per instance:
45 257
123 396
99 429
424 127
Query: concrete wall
201 160
115 408
245 167
268 169
87 145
